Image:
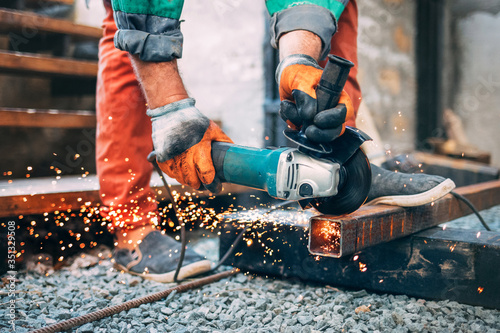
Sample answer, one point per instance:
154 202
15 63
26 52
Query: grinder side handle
332 82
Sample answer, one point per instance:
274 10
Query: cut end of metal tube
325 237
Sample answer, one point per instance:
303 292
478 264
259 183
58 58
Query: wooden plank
338 236
64 2
47 118
463 172
40 195
11 20
453 264
18 62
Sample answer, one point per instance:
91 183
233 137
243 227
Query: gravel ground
242 303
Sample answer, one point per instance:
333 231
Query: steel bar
338 236
112 310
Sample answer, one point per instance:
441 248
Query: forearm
300 42
160 81
315 16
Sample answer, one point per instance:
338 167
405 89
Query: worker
140 95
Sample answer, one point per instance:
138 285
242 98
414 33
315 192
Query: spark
362 267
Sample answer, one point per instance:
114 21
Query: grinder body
284 173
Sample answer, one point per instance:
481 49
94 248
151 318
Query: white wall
92 15
222 64
477 99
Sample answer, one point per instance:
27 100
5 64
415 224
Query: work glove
297 76
182 139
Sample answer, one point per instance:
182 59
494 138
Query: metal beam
337 236
459 265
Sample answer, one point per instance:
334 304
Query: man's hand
298 75
182 138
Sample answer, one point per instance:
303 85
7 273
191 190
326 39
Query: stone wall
387 68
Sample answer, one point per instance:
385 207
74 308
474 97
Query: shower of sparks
191 210
263 225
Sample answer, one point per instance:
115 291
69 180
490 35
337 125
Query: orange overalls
124 129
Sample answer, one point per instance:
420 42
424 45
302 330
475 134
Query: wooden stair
34 64
45 55
46 118
43 65
15 20
62 2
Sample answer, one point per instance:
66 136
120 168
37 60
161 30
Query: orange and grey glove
182 139
297 76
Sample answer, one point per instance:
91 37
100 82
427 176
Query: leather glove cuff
295 59
176 127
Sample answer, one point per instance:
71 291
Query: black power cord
471 206
175 218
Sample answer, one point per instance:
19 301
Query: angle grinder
334 178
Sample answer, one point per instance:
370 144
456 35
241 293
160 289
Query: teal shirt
173 8
335 6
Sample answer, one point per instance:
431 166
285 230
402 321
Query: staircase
39 57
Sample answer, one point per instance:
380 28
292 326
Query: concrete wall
387 68
476 85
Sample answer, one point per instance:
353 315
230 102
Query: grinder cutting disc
357 179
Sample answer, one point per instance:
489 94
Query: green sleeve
335 6
163 8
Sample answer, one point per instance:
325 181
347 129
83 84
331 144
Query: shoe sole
185 272
419 199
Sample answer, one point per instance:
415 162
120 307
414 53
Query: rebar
106 312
